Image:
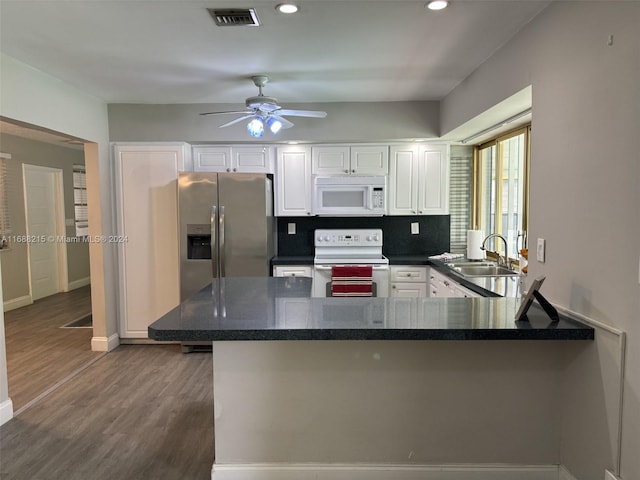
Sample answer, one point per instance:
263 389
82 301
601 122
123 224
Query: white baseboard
17 303
564 474
83 282
382 472
6 411
104 344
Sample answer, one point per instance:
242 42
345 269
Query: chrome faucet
506 255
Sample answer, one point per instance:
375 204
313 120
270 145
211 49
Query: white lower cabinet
408 281
293 271
441 285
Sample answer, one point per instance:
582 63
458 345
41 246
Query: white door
42 203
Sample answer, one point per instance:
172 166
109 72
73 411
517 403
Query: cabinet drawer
292 271
408 274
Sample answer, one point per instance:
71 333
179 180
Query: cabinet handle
234 169
346 171
420 212
413 211
446 283
432 277
393 286
353 171
228 169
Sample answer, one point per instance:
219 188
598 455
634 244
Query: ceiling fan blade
239 119
224 113
302 113
285 123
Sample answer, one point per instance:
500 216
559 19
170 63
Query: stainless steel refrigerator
226 227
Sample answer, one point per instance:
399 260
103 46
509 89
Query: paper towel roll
474 242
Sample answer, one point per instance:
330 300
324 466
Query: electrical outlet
540 252
291 228
415 228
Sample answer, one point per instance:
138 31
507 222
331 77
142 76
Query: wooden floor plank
140 412
40 353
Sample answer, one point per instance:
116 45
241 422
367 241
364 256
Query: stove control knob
376 238
369 238
319 239
327 238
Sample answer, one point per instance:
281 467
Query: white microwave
349 195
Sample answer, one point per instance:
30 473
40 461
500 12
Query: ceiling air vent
226 17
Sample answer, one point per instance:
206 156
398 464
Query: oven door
322 281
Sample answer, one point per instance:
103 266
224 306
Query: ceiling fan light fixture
437 4
287 8
256 127
274 125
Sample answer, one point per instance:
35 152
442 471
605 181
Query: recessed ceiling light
287 8
437 4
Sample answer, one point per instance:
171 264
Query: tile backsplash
433 237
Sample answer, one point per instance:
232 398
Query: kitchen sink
485 270
471 263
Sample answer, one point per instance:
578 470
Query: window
80 200
501 180
5 219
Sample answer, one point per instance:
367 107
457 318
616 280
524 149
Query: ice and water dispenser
198 241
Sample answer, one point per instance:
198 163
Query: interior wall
6 406
345 122
25 151
30 96
583 61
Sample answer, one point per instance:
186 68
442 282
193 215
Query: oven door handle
328 267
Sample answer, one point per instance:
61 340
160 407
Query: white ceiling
171 51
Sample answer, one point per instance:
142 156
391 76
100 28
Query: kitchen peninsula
377 386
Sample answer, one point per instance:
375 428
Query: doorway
44 208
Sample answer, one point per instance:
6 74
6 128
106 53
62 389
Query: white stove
334 247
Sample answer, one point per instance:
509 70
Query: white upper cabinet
419 180
234 158
293 181
350 160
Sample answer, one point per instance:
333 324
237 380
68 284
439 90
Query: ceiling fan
262 110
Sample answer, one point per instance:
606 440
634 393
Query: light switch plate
291 228
540 252
415 228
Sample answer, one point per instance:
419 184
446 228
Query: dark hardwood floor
139 412
40 354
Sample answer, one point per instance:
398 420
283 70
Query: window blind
80 200
5 219
460 191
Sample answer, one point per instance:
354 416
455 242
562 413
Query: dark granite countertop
280 308
485 286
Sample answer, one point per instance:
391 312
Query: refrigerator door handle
214 249
223 256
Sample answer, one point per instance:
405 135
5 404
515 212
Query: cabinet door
408 289
370 160
146 196
403 180
293 181
330 160
212 159
433 191
254 159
